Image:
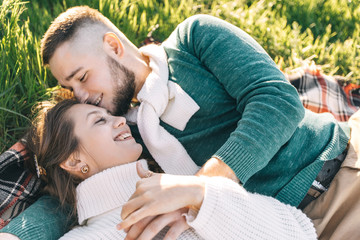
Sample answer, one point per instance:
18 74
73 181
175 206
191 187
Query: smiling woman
71 136
96 131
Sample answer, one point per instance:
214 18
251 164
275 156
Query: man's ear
113 45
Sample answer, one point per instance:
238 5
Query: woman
87 158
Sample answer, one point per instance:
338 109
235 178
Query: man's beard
124 92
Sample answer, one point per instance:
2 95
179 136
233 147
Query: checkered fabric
18 187
321 93
318 92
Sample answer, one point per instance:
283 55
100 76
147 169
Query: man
249 124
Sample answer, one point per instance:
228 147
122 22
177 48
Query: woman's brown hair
51 139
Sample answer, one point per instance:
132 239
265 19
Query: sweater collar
106 190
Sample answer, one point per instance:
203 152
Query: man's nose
81 94
119 122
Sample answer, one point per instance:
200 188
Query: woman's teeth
123 136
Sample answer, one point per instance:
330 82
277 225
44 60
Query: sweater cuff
200 221
22 229
238 159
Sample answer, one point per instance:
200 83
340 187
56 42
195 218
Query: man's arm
269 106
43 220
247 79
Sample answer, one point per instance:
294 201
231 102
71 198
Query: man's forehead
72 56
65 62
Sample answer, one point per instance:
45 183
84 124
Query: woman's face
105 140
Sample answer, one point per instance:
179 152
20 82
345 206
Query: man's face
94 78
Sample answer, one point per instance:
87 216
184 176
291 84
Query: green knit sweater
250 116
43 220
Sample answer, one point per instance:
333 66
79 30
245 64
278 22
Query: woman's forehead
82 113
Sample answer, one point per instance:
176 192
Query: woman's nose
119 122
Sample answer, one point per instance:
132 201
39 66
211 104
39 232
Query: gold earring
84 169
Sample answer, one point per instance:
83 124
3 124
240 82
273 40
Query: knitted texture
162 98
49 217
250 116
90 193
227 212
100 199
230 212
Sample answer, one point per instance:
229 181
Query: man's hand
215 167
149 227
164 195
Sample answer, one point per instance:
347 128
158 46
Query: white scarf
165 100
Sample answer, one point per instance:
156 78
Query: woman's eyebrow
93 112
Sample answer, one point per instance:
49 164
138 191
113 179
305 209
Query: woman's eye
100 120
83 77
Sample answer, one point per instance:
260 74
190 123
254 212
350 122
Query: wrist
198 193
215 167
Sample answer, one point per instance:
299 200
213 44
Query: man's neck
140 80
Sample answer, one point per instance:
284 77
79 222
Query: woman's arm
227 210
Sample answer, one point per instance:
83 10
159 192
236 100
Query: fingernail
118 227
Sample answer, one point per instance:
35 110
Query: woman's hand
158 194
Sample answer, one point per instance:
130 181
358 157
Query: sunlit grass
325 31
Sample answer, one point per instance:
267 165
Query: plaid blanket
318 92
321 93
18 187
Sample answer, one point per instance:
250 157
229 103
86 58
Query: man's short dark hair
65 26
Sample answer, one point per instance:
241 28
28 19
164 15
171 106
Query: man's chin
119 110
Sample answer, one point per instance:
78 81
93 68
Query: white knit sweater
227 212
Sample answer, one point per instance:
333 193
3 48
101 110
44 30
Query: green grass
324 31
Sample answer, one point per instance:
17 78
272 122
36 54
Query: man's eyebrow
93 112
73 73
